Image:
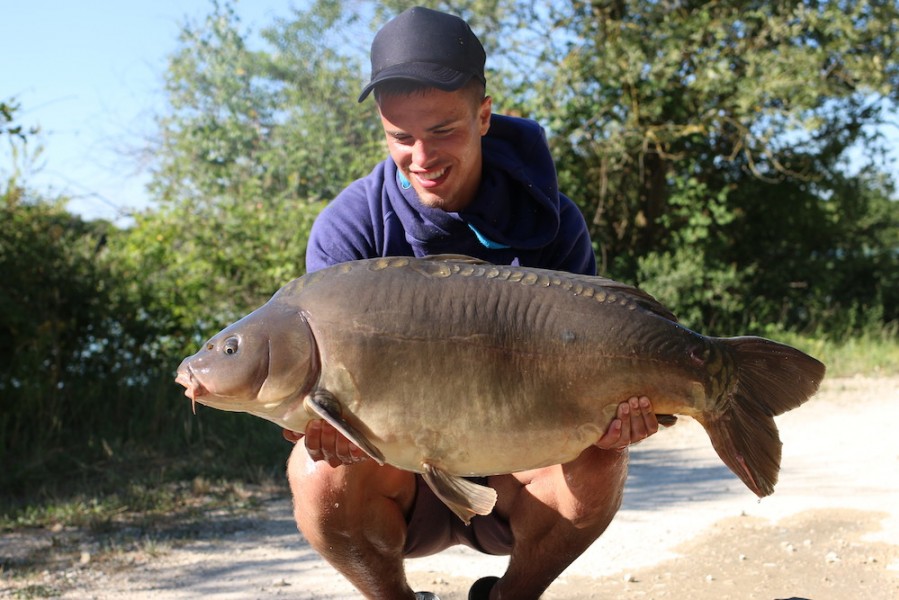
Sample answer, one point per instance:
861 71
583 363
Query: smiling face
434 137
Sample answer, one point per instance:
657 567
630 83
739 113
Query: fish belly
475 409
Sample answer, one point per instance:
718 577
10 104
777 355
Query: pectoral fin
463 497
326 406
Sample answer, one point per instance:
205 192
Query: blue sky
89 73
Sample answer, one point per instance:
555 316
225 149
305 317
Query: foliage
710 158
86 372
737 114
8 125
252 144
58 319
23 148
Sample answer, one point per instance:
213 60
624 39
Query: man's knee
341 499
595 486
312 486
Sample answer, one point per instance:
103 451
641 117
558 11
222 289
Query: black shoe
481 588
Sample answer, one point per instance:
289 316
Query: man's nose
424 153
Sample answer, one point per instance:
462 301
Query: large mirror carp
451 367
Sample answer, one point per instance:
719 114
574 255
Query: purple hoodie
517 217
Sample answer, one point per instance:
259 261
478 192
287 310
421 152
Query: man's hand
635 422
324 442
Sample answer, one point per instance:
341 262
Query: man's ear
484 114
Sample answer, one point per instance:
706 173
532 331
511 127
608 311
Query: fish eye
231 345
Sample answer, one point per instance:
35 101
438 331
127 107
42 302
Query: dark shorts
433 527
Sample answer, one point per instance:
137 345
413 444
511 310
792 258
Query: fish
452 367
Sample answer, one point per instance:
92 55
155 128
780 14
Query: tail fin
771 378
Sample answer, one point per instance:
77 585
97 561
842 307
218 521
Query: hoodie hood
517 203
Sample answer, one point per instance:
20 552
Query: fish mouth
193 388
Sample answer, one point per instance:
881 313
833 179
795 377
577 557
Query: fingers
313 440
617 436
634 422
324 442
643 422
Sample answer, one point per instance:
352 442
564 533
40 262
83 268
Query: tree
679 146
19 137
8 125
676 125
60 324
252 144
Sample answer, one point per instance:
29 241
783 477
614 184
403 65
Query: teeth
430 176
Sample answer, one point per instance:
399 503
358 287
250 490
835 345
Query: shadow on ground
663 478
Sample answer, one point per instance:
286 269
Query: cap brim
429 74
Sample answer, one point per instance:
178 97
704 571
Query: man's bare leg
555 514
354 516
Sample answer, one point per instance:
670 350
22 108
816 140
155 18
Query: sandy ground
688 529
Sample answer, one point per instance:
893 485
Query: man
458 180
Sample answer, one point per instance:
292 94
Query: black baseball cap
427 46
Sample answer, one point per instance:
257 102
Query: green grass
874 354
143 489
32 591
85 483
148 506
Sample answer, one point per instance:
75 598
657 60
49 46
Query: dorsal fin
643 299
